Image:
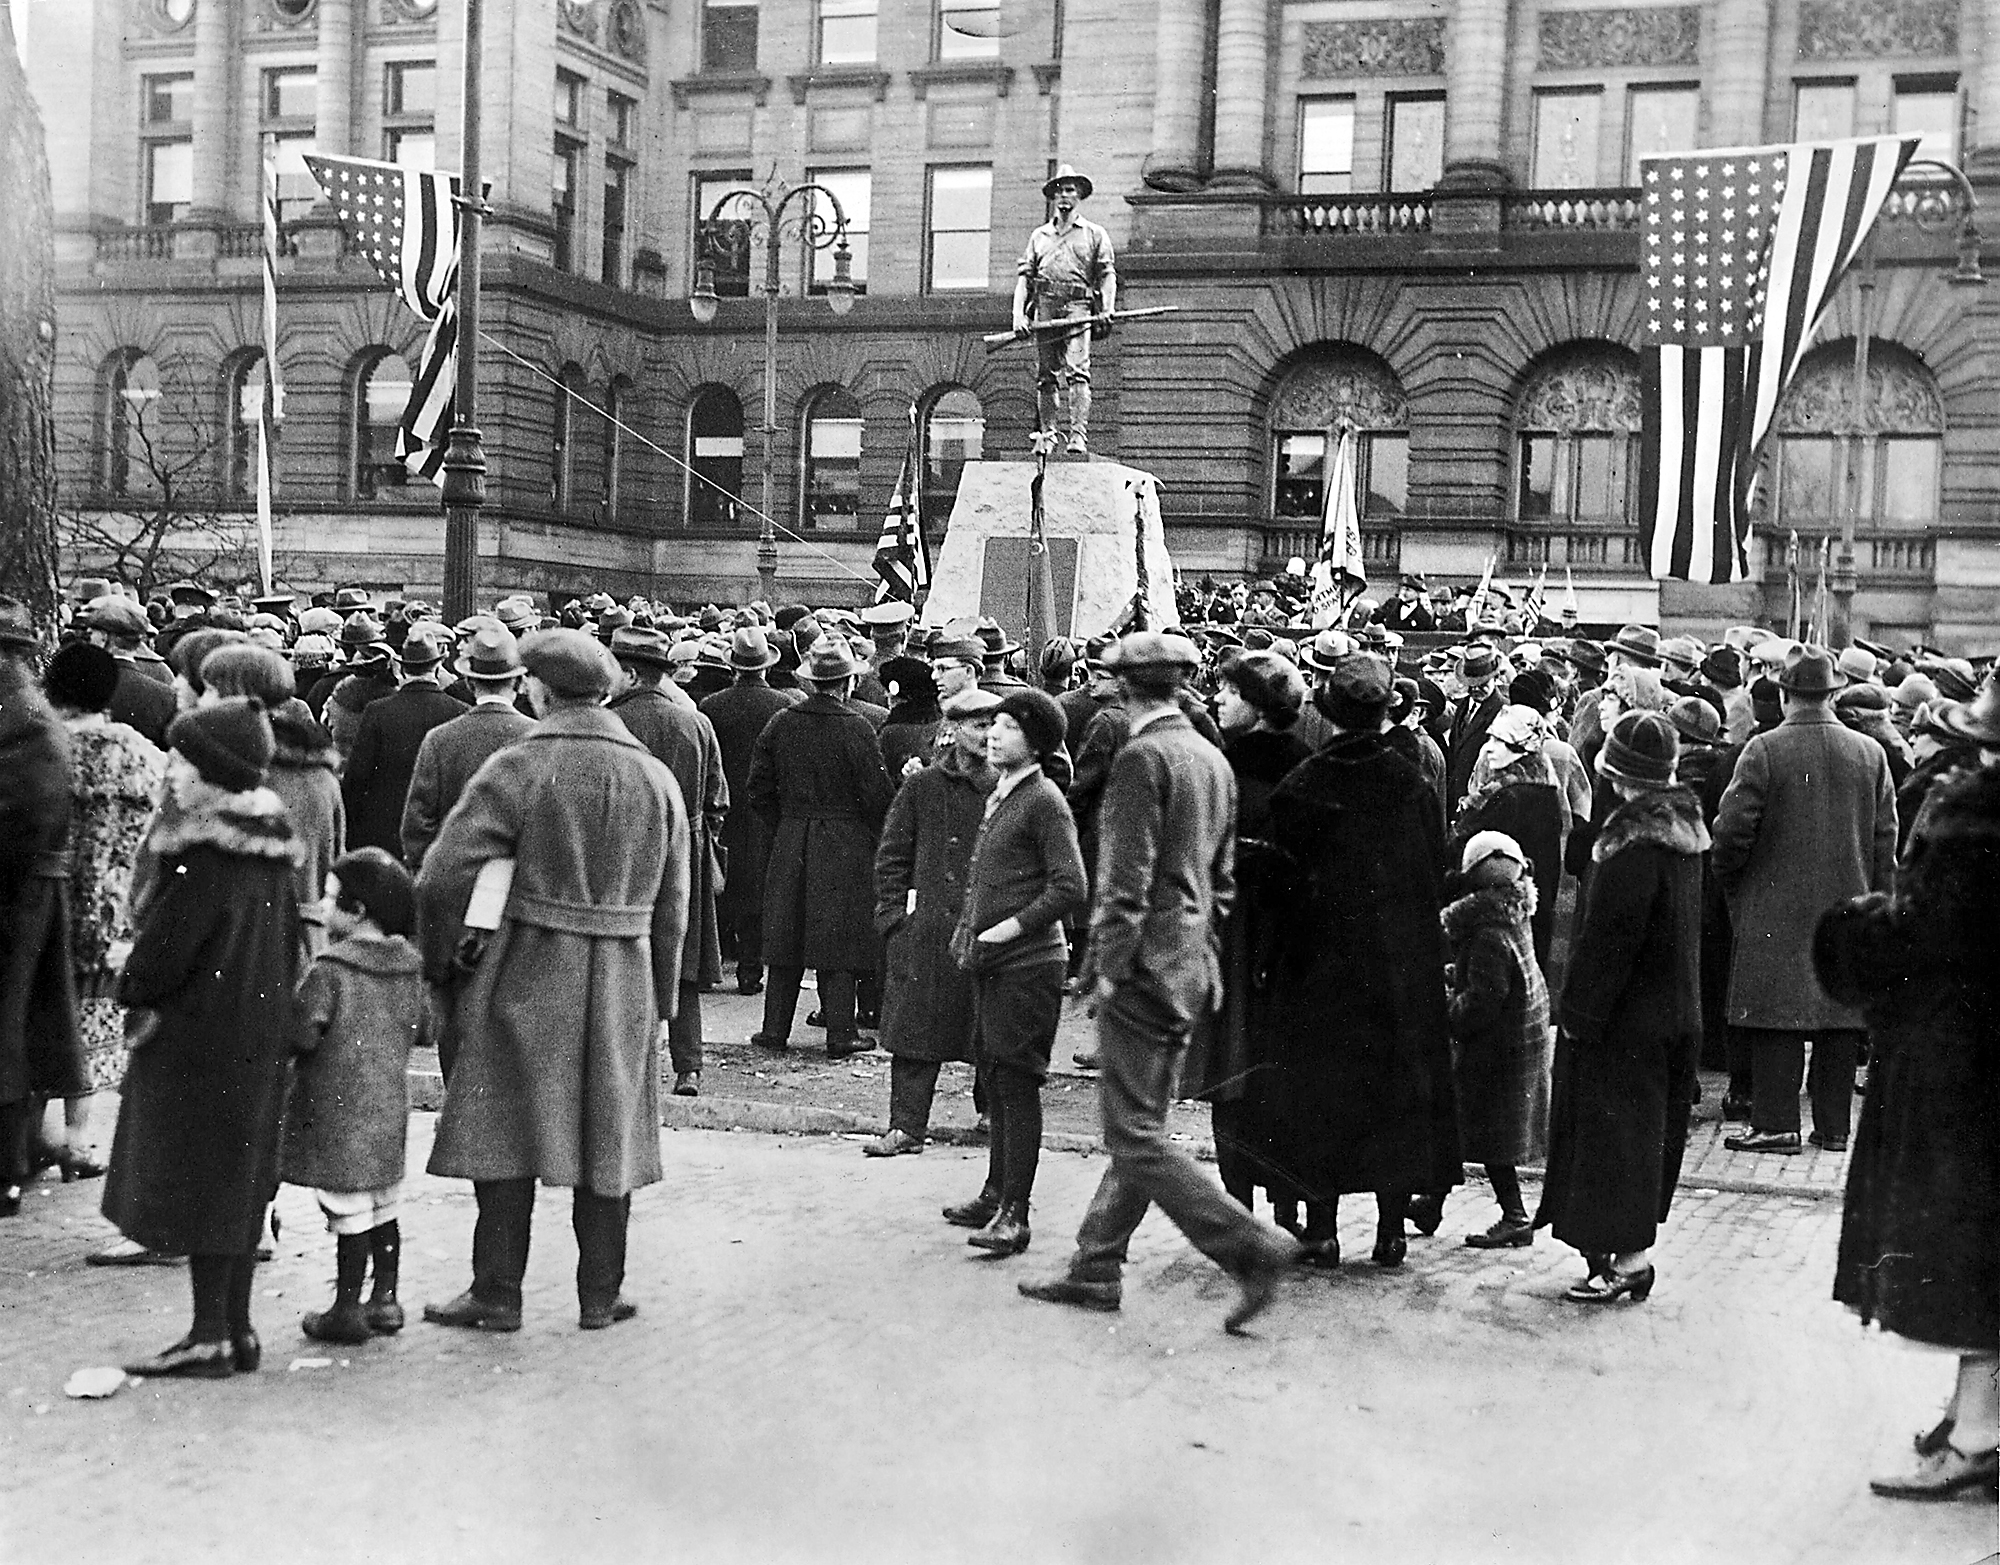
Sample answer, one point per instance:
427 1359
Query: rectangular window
1601 476
412 88
169 100
1927 106
1300 469
1326 146
1808 479
289 93
621 115
846 32
412 148
1659 119
961 236
729 36
1416 141
569 99
968 29
1822 111
1566 139
725 243
850 187
1909 479
1538 477
169 180
562 200
617 173
297 189
1386 459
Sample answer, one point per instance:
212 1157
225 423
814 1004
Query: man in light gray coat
1807 822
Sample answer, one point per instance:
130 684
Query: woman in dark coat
911 733
1361 1098
1917 1251
214 961
1258 699
1514 790
1631 1031
920 880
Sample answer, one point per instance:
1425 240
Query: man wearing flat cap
144 698
376 782
1067 272
1807 822
557 1077
677 734
451 754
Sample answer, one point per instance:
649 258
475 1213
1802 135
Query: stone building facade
1416 214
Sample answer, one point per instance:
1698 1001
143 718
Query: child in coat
362 1009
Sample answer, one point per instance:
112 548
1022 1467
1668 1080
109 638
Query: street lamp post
1931 206
767 208
465 458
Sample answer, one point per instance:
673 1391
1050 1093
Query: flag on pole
1741 251
1340 557
1571 614
406 222
269 410
902 558
1794 588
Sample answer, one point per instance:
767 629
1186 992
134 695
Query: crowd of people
1390 901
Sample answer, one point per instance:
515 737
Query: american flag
902 558
404 221
1741 253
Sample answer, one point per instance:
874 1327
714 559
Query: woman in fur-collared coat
1631 1032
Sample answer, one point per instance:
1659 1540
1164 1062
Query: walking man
1165 880
1068 272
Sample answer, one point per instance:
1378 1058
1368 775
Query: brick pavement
824 1372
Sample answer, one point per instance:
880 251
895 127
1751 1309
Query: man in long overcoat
677 734
739 715
376 783
451 755
1807 822
558 1071
816 776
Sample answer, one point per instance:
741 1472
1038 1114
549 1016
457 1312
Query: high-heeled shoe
190 1360
977 1212
1007 1234
77 1165
1426 1212
1323 1253
1611 1285
245 1351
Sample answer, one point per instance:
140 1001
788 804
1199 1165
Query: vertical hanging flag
1340 559
1740 254
902 558
406 223
270 400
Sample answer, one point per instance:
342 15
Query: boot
382 1312
343 1320
1007 1234
977 1212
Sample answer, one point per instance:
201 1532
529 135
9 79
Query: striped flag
1340 558
1741 251
902 558
269 405
405 222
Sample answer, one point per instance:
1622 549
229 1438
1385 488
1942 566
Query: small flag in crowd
1740 254
406 223
902 559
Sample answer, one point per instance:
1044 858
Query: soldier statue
1066 273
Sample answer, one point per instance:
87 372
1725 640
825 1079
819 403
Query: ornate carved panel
1378 48
395 11
1582 394
158 18
1363 388
1865 29
616 26
1902 397
1654 35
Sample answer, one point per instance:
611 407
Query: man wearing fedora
453 752
676 733
1408 610
738 715
1067 272
816 777
1807 822
1471 716
364 677
376 782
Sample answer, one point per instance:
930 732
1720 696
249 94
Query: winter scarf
1667 818
1506 906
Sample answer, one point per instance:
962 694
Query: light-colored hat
1065 174
1484 845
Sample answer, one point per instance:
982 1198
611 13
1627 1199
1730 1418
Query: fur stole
253 824
1509 906
302 743
1667 818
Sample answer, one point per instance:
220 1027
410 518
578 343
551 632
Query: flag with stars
902 558
404 221
1740 254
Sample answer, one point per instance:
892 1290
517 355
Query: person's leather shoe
189 1360
897 1143
749 986
341 1323
844 1048
596 1317
1783 1141
129 1252
976 1213
1427 1212
1323 1253
1390 1253
1941 1474
687 1084
1260 1287
759 1040
1007 1234
245 1351
1828 1143
465 1310
383 1314
1504 1235
1073 1290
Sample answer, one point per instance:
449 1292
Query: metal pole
1845 576
767 537
465 459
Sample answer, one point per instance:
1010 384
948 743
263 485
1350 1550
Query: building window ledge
721 84
952 73
839 76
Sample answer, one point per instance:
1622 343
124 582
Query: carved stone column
1475 89
333 95
1242 95
214 119
1179 50
1738 76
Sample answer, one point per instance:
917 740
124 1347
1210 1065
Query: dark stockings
385 1245
1507 1191
1014 1147
221 1285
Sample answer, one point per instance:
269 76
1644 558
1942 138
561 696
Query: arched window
1337 383
381 394
954 433
830 494
131 419
243 407
617 398
562 450
1897 441
1578 427
715 455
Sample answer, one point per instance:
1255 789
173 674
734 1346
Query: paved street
822 1371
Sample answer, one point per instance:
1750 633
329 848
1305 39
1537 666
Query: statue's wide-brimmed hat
1066 174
